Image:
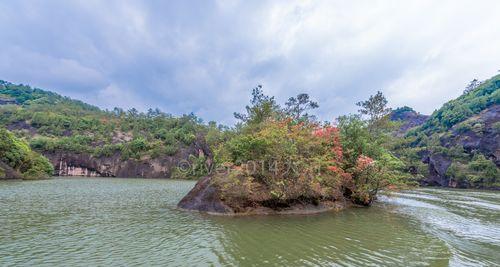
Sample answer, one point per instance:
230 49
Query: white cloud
114 96
205 57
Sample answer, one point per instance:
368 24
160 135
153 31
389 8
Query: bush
478 171
39 167
496 126
17 154
134 148
460 109
463 127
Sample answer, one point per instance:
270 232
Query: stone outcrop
438 165
204 197
80 164
484 139
207 197
409 119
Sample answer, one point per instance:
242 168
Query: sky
206 56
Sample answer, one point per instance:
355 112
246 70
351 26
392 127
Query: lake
113 221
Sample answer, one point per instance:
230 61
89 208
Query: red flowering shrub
279 159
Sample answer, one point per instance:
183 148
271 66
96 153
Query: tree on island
376 108
279 157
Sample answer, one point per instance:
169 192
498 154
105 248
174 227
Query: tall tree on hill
262 107
472 85
376 108
297 107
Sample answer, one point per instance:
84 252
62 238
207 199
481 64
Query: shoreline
308 209
195 180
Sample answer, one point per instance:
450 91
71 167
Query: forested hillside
459 144
77 135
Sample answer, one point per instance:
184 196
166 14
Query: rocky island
281 161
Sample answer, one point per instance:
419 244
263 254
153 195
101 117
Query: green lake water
127 222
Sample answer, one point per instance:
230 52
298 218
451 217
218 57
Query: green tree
297 107
376 108
261 107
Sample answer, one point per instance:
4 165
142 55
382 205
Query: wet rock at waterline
207 197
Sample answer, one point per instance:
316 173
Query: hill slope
81 139
459 144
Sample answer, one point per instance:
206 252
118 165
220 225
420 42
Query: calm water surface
92 221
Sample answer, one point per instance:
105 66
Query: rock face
206 197
482 135
409 120
7 101
438 165
69 163
77 164
484 139
6 172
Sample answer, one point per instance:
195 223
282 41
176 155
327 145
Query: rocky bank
482 136
207 197
78 164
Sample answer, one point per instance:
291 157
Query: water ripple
82 222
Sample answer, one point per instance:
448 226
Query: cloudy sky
206 56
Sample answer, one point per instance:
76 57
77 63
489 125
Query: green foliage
485 168
38 167
356 139
17 154
61 123
262 108
376 108
284 155
496 126
134 148
460 109
14 152
478 171
402 110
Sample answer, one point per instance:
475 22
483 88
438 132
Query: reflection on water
134 221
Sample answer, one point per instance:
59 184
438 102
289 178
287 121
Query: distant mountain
408 118
459 144
81 139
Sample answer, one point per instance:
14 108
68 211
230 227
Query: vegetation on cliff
476 98
458 145
51 123
16 155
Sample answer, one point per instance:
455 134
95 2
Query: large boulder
438 165
204 197
207 197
